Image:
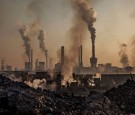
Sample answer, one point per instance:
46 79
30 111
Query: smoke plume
34 11
84 14
24 35
15 78
87 14
41 39
37 83
123 55
31 30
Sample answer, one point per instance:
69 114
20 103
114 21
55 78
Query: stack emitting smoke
83 15
80 62
41 39
62 56
24 35
123 55
87 14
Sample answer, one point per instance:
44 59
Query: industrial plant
45 85
95 77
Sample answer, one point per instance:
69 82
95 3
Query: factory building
9 68
27 66
41 66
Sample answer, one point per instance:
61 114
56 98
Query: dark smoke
26 39
41 39
32 29
123 55
83 13
34 11
77 35
87 14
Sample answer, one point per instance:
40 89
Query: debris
123 96
17 98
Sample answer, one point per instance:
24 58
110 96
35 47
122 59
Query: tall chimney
80 61
62 55
29 58
46 59
31 63
79 56
93 59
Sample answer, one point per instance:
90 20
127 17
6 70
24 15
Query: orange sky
115 24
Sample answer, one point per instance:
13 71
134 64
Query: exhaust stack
62 55
80 60
93 59
31 60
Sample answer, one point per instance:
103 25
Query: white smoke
37 83
14 78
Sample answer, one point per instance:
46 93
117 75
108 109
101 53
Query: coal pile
19 99
123 96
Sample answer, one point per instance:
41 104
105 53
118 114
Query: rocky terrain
123 96
19 99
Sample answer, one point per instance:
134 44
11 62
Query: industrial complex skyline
115 25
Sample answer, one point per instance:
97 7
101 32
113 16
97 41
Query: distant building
41 66
9 68
27 66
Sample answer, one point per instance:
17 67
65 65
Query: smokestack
87 14
93 59
41 39
46 54
80 62
29 57
62 55
31 60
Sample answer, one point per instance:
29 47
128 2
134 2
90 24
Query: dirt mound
123 96
19 99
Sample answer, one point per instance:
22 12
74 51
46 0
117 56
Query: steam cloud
123 55
84 14
37 83
34 11
24 35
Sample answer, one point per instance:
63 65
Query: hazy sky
115 24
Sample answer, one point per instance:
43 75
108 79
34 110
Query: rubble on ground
123 96
18 99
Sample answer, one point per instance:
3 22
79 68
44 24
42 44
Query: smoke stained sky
114 25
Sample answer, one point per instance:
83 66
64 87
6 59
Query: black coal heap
123 96
19 99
